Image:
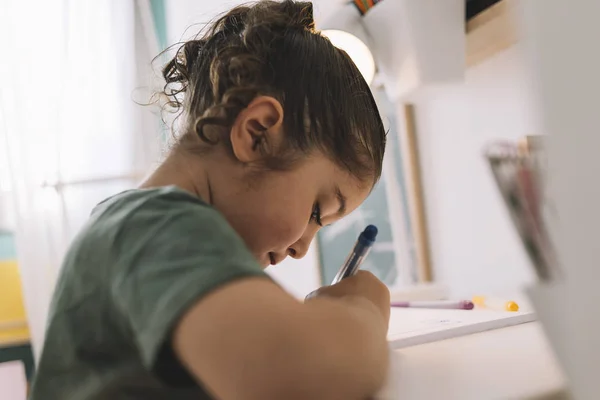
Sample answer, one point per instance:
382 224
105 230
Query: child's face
278 215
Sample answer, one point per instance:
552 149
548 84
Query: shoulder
166 207
135 203
162 222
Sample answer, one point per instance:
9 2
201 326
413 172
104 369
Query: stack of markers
365 5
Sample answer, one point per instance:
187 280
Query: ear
258 130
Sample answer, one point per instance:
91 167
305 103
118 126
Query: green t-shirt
142 259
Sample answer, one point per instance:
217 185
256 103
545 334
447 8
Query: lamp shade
417 43
411 43
345 31
356 49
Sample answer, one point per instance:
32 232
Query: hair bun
300 15
278 16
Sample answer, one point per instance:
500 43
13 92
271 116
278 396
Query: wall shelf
491 31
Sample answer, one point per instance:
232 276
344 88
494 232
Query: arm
251 340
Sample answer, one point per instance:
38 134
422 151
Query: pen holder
548 300
551 308
571 323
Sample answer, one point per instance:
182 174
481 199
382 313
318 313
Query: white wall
475 248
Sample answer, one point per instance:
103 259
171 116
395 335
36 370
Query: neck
184 171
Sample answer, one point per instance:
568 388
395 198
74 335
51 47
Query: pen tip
370 232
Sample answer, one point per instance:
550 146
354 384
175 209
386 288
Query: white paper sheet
411 326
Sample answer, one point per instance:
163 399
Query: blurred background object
71 132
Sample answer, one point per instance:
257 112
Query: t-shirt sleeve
171 253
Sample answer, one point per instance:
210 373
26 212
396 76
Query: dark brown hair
272 48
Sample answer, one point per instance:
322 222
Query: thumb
312 294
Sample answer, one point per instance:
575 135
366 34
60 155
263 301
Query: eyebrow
341 199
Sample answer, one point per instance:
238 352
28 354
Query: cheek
271 224
273 215
285 223
287 230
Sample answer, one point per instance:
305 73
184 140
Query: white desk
509 363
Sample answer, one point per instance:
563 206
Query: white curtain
71 132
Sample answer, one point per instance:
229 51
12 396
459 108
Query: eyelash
316 215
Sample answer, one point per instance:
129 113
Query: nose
299 249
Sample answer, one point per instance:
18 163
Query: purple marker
443 304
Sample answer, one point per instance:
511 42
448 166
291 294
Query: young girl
163 294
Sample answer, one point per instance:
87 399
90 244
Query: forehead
352 191
336 181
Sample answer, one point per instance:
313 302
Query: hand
363 285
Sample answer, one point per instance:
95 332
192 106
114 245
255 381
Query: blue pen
355 258
358 254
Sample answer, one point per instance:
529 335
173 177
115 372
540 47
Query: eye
316 214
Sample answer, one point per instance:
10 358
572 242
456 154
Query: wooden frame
415 195
491 31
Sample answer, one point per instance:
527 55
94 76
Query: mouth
272 259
